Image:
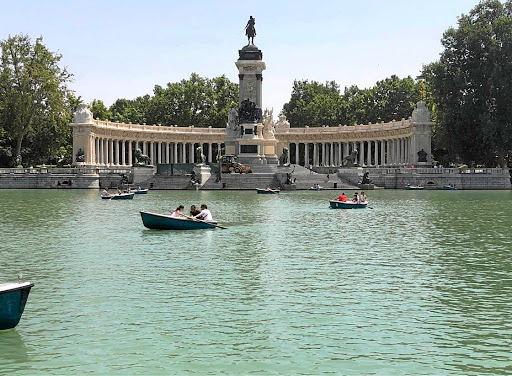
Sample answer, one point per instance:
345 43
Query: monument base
202 173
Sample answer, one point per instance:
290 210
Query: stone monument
422 135
250 134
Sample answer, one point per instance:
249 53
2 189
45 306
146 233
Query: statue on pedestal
248 112
283 159
422 156
250 31
142 159
80 156
200 158
268 124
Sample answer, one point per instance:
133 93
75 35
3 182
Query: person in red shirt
342 197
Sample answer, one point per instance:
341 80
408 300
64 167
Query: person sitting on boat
105 193
343 197
118 191
178 212
205 214
194 211
356 198
363 198
268 188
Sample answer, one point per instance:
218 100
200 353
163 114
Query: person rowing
178 212
205 214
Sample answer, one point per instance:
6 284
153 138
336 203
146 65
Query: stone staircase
242 181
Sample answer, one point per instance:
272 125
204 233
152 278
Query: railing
160 128
403 124
433 171
67 170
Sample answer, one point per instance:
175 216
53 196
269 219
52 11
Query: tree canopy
35 104
198 101
316 104
471 85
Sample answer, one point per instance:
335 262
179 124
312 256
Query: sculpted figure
142 159
268 124
422 156
250 31
351 159
200 158
283 159
80 156
82 115
233 119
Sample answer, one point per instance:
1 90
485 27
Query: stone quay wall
433 178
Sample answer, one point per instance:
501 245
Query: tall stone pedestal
202 173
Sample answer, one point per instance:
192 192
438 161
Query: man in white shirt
205 214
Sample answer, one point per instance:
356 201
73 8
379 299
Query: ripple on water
420 284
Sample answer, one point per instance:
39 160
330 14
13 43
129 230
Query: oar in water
200 220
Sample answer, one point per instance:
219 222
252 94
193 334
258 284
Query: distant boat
316 187
267 191
13 297
414 187
140 191
166 222
335 204
449 188
119 196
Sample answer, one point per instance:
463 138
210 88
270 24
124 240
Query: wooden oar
201 221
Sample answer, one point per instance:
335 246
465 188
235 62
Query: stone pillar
210 147
315 154
159 152
192 154
105 152
382 152
361 153
130 157
183 152
369 154
345 150
167 156
376 153
306 155
323 153
123 153
110 160
144 148
331 154
116 152
250 67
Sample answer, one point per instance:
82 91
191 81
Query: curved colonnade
113 144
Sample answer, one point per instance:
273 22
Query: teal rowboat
13 297
166 222
335 204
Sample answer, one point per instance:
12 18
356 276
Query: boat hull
449 188
267 191
414 188
13 297
141 191
166 222
123 196
347 205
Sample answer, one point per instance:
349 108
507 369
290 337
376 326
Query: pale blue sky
121 49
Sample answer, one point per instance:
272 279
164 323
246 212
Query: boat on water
13 297
449 188
119 196
140 191
316 187
335 204
267 191
414 187
166 222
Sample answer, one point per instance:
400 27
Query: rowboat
316 187
414 188
335 204
13 297
119 196
166 222
449 188
267 191
140 191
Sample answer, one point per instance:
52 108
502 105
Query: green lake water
420 284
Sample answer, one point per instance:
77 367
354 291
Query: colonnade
114 152
370 153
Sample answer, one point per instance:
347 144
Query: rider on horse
250 31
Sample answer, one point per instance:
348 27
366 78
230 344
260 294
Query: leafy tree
33 91
99 110
471 85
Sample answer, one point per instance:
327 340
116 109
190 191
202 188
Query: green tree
471 85
33 91
99 110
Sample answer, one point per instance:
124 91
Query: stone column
123 153
159 152
331 154
210 147
345 150
297 159
315 154
183 152
105 152
361 153
306 155
382 153
369 154
192 154
376 153
174 152
130 157
323 154
110 160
